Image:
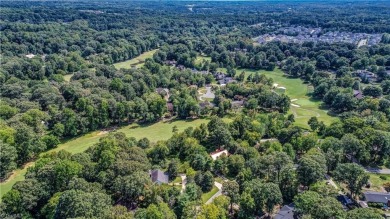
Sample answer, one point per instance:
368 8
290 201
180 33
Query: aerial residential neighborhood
271 109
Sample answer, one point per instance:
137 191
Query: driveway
209 94
219 186
183 182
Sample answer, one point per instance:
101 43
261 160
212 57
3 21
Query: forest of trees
40 108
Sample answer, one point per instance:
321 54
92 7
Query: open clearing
154 132
137 61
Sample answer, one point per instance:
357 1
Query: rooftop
159 176
378 197
286 212
218 153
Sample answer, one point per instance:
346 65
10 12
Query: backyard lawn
208 195
137 61
377 182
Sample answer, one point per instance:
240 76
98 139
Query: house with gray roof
159 177
286 212
377 197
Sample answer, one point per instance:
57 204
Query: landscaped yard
377 182
207 196
154 132
177 180
137 61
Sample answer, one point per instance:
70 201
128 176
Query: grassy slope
138 61
208 195
154 132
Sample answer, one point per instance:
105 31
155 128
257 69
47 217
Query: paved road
373 169
377 170
219 186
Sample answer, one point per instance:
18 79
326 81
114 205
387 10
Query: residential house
237 103
163 92
170 109
357 94
286 212
219 153
205 104
377 197
366 75
159 177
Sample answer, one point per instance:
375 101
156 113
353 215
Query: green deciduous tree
353 175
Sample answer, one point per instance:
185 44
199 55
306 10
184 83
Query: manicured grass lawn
7 185
177 180
138 61
295 89
200 58
160 130
207 196
67 77
154 132
377 182
218 179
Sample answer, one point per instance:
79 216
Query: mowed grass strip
138 61
206 196
161 130
154 132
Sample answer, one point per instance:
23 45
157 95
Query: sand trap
295 105
275 85
294 100
283 88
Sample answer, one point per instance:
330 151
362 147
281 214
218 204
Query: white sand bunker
294 100
295 105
